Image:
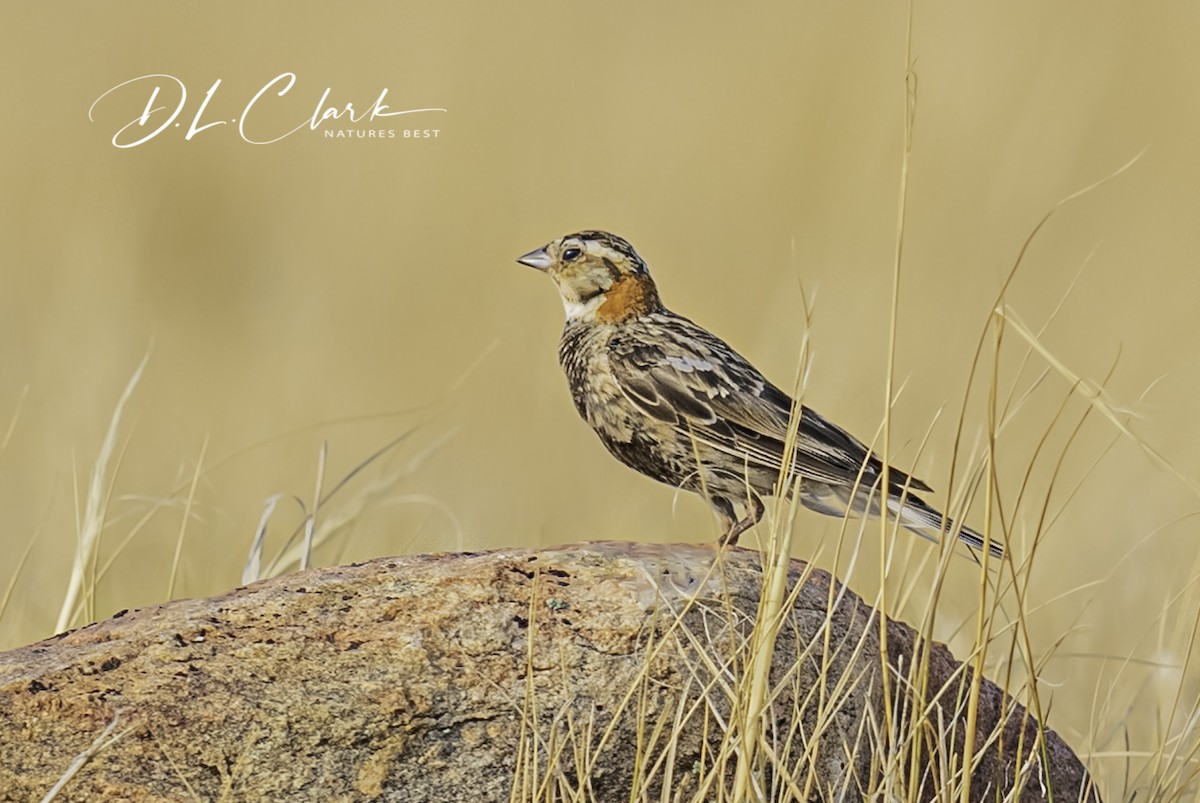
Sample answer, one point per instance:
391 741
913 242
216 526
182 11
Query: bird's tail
915 514
920 518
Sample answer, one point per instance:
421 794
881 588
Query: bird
675 402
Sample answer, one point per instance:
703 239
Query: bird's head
599 276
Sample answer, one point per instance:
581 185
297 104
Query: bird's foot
754 512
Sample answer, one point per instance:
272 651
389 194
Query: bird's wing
681 374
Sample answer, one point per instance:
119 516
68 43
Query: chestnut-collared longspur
675 402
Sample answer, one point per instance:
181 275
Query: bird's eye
571 254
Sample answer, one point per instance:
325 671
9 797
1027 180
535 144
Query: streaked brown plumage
676 403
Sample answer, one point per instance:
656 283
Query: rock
604 667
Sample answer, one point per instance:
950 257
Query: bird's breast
583 354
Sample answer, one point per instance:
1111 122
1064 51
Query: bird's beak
536 259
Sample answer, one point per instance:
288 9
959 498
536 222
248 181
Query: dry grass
104 740
95 509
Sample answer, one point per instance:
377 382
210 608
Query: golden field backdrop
347 291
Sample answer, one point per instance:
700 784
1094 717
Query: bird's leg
754 511
725 513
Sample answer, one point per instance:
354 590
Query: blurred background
336 293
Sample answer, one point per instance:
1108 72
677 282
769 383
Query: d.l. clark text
158 116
